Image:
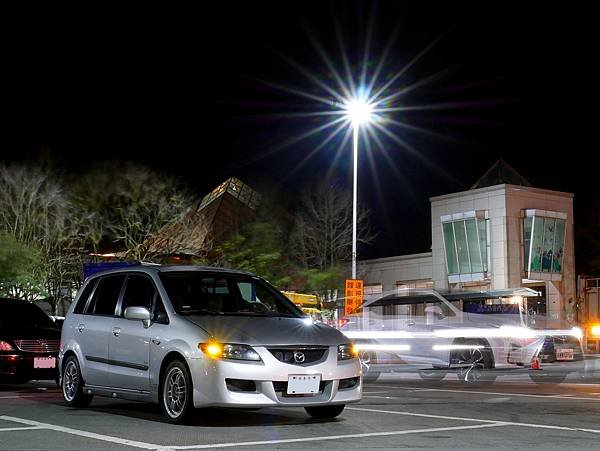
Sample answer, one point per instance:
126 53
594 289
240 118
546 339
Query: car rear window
23 314
82 301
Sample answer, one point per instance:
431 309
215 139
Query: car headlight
229 351
347 351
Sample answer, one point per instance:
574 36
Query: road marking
16 396
21 428
106 438
374 392
480 420
338 437
499 393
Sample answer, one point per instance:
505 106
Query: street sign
354 296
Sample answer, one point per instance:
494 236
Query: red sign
354 296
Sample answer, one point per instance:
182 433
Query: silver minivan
189 336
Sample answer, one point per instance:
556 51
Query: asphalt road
397 411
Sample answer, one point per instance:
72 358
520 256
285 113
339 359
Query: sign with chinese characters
354 296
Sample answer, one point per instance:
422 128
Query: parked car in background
29 343
187 336
475 335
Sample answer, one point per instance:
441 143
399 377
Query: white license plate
303 384
565 354
44 362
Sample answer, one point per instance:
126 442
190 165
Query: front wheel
176 394
321 412
554 379
72 385
366 360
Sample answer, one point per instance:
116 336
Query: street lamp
358 112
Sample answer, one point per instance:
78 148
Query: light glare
358 111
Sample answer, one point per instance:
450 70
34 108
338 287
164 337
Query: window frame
100 279
155 299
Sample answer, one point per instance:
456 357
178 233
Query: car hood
265 331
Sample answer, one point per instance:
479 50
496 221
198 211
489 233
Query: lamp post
359 112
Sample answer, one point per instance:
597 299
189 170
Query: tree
35 212
21 273
322 236
128 204
257 248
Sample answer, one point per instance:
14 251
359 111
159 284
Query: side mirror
138 313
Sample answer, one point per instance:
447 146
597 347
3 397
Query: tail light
6 346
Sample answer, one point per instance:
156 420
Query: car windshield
202 293
20 314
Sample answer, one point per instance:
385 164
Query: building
501 234
219 213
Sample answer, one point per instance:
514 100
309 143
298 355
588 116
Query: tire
176 392
366 360
72 385
541 379
433 375
321 412
478 364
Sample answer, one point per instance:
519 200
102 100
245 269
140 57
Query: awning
415 296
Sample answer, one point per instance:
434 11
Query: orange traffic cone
535 364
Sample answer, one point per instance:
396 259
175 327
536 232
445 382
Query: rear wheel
72 385
176 392
325 411
432 375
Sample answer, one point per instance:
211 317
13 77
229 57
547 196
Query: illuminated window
466 245
543 242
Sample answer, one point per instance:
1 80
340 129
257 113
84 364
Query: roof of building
499 174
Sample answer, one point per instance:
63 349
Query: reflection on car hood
260 331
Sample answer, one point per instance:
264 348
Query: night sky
187 91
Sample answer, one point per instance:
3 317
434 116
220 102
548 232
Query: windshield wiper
200 311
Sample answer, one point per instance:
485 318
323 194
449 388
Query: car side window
139 292
106 296
82 301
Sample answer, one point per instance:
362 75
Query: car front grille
299 356
38 346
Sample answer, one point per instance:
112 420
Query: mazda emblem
299 357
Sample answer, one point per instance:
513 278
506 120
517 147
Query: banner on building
354 296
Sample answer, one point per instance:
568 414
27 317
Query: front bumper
19 367
270 378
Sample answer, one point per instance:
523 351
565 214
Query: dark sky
183 90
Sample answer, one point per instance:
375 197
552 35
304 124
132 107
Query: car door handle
81 327
410 323
116 331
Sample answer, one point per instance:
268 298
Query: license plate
44 362
565 354
303 384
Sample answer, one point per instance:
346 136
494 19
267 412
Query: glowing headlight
347 352
229 351
595 330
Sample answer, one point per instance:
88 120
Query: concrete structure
502 233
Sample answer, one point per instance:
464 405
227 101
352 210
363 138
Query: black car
29 343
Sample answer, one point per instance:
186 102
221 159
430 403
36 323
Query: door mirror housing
138 313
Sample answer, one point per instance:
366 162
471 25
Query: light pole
358 111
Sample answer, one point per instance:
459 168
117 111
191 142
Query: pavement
397 411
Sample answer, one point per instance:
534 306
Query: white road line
338 437
21 428
480 420
500 393
16 396
374 392
106 438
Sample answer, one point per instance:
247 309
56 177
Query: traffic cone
535 364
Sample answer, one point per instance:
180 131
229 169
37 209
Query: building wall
390 270
504 205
